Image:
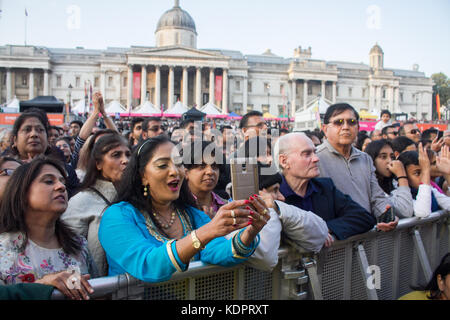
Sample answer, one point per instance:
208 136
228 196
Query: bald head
288 143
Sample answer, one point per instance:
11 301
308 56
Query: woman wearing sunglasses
7 167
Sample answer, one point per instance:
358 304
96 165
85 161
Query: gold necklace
165 225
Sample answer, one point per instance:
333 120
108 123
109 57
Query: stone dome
176 18
376 49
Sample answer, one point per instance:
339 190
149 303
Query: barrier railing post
423 259
311 268
364 266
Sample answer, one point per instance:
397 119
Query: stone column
378 98
305 93
185 86
333 98
9 93
391 98
396 100
371 97
129 87
198 87
158 87
31 85
170 91
211 86
143 84
103 84
322 89
46 86
225 92
245 95
294 95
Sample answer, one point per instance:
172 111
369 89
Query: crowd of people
149 196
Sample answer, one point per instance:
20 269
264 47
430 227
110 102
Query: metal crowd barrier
370 266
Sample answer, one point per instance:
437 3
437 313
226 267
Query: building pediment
177 52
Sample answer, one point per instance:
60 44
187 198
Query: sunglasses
340 122
395 133
414 131
6 172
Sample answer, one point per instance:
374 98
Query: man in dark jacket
295 155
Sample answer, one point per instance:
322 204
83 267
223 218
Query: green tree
442 87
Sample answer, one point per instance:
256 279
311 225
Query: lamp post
67 109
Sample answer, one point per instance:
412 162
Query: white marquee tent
114 107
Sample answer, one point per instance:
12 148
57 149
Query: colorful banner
367 125
56 119
218 88
425 126
438 106
136 85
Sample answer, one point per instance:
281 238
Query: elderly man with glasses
352 170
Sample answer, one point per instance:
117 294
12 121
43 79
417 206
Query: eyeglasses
340 122
155 129
414 131
6 172
395 133
259 125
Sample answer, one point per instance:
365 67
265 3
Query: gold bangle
172 257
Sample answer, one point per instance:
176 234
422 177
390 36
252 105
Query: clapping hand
443 161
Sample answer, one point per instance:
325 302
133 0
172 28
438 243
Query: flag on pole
438 106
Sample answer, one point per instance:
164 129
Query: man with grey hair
295 156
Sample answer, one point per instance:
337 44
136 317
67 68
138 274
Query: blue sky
408 31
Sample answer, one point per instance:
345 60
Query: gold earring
145 191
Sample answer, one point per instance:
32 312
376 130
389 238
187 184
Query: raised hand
443 161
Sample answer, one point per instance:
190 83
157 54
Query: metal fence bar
311 268
364 265
423 259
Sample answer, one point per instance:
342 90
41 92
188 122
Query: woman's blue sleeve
128 248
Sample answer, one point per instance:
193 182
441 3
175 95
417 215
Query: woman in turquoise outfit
154 228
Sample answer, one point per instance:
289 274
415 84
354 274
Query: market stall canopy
364 114
212 111
233 115
46 103
80 107
176 111
146 109
269 116
319 103
114 107
12 106
194 114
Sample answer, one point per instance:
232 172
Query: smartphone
387 216
440 134
244 178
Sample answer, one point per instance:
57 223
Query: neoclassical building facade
176 70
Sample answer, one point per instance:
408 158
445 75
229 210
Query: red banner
136 85
218 88
55 119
